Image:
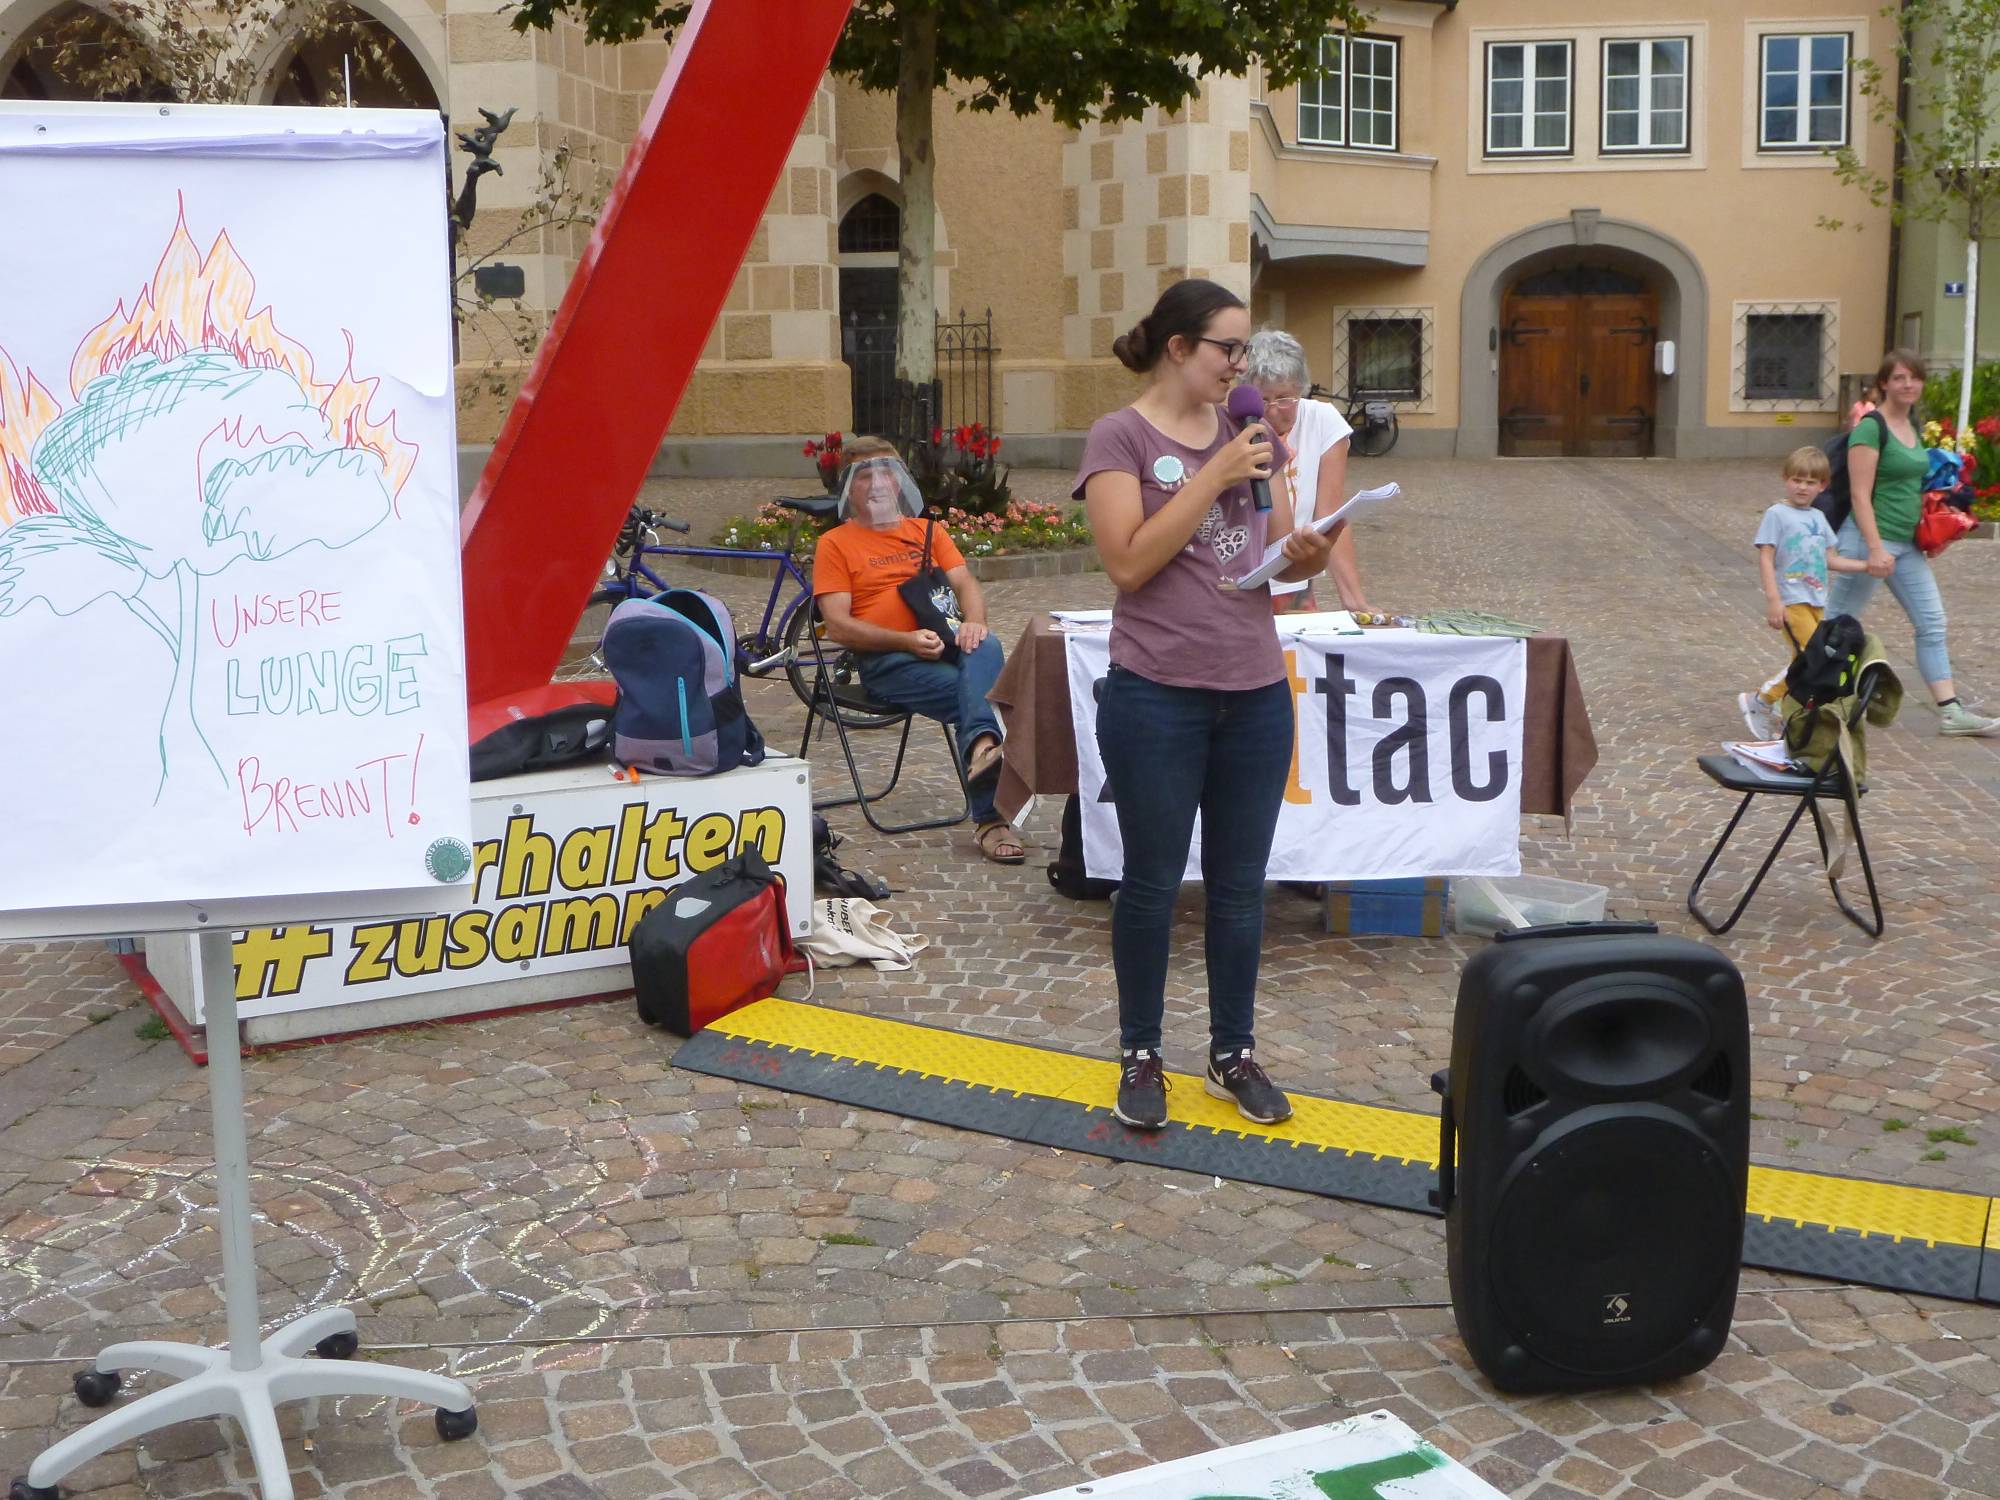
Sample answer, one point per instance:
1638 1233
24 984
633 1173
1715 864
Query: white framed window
1323 97
1645 94
1351 101
1802 91
1529 92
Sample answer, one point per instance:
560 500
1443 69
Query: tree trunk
916 267
186 757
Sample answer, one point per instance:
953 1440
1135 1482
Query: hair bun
1134 350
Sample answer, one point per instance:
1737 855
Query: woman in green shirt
1886 461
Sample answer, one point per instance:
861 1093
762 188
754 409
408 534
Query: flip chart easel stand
253 1375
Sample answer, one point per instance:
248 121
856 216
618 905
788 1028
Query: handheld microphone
1246 404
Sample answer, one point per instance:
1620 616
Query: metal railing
960 394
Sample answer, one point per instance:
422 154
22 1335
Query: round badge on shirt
1169 469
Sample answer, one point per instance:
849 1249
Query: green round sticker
448 860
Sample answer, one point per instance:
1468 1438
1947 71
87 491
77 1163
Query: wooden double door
1576 369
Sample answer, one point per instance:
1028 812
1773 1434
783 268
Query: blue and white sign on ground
1370 1457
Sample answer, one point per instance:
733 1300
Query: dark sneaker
1236 1076
1142 1090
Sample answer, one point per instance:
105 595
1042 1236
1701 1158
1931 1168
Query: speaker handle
1574 929
1442 1194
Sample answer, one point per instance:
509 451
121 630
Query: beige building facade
1539 228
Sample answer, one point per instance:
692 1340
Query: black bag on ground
932 599
578 732
1835 502
1066 870
835 879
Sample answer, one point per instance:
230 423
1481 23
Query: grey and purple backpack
680 697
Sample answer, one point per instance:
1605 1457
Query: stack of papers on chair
1764 755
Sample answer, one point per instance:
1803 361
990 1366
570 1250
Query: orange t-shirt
859 560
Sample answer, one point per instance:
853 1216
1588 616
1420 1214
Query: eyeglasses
1281 403
1233 350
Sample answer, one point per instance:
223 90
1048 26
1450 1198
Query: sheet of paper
1763 755
230 612
1356 507
1319 622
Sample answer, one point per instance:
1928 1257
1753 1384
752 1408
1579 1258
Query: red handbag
714 943
1941 524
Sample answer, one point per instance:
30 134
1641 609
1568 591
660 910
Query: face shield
879 493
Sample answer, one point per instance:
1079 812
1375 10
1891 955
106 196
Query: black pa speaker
1595 1155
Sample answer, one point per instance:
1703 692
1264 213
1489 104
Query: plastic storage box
1539 898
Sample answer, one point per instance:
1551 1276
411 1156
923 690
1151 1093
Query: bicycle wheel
842 669
1374 435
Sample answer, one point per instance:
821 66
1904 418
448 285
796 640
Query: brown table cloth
1558 748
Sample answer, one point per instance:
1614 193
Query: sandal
999 842
984 762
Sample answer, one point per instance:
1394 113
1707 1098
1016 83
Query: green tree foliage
1947 56
1104 59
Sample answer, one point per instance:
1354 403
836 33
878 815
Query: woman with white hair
1316 435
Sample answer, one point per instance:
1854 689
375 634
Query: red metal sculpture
617 359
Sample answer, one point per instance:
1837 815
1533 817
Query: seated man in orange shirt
856 569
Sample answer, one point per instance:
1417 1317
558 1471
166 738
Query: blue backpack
680 700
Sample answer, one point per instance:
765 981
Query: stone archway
395 70
33 36
1683 318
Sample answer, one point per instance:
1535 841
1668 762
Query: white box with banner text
564 864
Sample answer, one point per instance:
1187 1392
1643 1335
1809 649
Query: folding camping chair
1831 780
839 699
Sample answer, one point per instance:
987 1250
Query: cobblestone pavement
671 1285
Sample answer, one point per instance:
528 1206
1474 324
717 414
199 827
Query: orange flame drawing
25 409
196 301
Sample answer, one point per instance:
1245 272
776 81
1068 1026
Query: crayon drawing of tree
199 439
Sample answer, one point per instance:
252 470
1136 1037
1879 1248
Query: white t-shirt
1317 428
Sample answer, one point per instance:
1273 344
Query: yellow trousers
1801 620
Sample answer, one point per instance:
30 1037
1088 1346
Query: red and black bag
717 942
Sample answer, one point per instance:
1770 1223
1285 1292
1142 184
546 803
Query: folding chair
1831 780
839 699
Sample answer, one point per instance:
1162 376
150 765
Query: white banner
564 864
230 616
1406 757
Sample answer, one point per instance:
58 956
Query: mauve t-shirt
1181 627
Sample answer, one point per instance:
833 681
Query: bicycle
1373 421
779 639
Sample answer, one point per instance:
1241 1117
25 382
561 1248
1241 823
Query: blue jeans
1915 587
954 694
1168 752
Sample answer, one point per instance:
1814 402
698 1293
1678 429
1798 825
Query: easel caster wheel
96 1387
451 1426
338 1346
20 1489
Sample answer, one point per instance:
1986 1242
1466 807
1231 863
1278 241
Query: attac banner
1406 758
